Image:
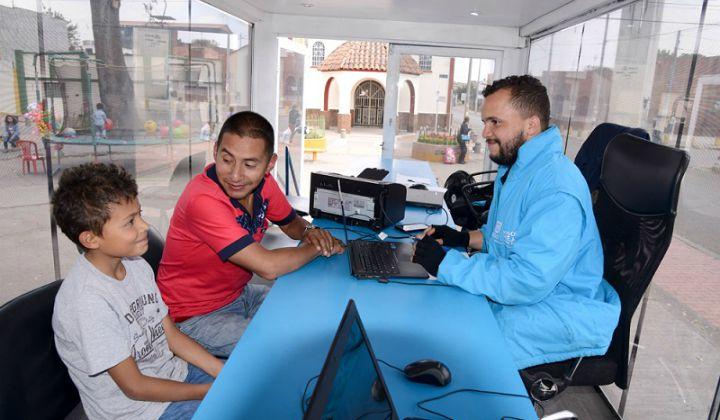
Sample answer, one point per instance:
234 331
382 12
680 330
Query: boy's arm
189 350
137 386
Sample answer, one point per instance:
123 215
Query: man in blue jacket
540 262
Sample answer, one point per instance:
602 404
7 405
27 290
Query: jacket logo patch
506 237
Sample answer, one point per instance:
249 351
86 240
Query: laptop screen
351 385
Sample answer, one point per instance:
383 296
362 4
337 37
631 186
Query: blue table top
286 343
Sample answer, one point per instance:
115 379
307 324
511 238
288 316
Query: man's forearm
285 260
296 228
476 240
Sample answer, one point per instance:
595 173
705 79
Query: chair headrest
643 177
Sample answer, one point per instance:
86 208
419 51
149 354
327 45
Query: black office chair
590 156
467 199
156 244
635 212
34 382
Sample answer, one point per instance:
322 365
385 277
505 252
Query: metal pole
467 88
53 226
691 74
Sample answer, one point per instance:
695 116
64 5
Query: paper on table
404 179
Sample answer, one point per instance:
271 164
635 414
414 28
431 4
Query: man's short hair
83 198
527 95
250 124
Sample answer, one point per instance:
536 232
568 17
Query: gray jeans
220 330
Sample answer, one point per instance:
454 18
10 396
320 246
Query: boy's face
124 234
241 163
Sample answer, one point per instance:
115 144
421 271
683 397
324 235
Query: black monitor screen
351 385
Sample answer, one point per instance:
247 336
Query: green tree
116 87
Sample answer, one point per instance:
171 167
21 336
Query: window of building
426 62
318 53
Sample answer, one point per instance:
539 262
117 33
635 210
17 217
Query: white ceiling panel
512 13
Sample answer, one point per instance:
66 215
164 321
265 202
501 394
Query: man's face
505 128
124 234
241 163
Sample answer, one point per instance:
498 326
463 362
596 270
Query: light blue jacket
541 264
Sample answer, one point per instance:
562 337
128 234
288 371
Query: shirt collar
546 143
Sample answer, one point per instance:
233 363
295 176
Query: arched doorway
369 104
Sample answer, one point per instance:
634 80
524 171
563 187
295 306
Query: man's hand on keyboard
429 254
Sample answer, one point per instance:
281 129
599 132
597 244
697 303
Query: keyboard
373 259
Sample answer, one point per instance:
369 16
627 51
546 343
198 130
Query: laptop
351 385
379 259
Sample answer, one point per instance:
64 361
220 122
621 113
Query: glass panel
432 106
290 117
633 69
165 81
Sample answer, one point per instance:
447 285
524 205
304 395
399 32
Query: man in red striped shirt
213 244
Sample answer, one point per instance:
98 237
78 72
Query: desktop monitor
351 385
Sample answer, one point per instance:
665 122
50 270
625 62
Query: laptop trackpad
407 268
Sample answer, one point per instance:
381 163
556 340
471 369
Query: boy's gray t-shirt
99 322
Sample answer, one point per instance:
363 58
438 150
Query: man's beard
508 151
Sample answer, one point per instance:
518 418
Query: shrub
314 134
444 139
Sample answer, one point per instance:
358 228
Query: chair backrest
34 382
466 199
635 212
590 156
28 149
156 244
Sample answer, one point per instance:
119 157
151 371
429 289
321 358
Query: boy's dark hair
527 95
99 105
83 198
250 124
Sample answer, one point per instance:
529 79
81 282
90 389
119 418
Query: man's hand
429 254
448 236
321 239
323 242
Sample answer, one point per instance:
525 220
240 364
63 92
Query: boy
112 330
99 119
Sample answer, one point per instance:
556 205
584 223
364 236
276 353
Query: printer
374 204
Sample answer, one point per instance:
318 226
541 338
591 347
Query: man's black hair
83 198
527 95
250 124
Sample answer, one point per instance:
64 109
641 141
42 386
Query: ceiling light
307 4
474 13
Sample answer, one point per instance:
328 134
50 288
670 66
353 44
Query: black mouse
419 187
428 371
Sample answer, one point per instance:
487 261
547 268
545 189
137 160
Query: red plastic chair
30 154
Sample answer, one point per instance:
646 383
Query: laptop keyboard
373 259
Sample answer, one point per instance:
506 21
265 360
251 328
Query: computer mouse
419 187
428 371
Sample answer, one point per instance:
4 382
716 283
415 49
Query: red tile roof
365 56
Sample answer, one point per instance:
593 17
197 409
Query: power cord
391 366
419 404
303 400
